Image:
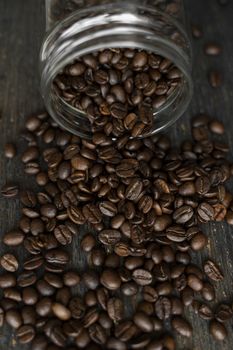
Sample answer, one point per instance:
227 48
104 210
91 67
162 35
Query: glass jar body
78 27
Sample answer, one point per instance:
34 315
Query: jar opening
68 42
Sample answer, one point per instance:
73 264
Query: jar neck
100 27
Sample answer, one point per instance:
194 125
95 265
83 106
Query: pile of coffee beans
119 89
136 205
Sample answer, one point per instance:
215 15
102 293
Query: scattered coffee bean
9 191
218 330
9 262
10 150
212 271
215 78
212 49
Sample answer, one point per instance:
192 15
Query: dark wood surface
22 24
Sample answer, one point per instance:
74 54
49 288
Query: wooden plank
21 31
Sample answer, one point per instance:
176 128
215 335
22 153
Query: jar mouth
116 27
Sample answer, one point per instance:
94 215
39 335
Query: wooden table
22 24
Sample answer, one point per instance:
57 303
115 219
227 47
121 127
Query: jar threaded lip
69 40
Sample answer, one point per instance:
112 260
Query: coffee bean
77 307
110 279
9 150
109 237
205 212
91 279
217 330
25 334
216 127
13 318
26 279
194 282
88 242
163 308
115 309
63 234
7 280
30 296
71 278
9 262
212 271
223 313
183 214
196 31
205 312
212 49
143 322
10 191
62 312
215 78
181 326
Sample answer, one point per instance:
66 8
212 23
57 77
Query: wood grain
22 26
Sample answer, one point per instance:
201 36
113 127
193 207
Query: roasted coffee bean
218 330
7 280
25 334
212 271
215 78
205 312
115 309
9 262
77 307
223 313
110 279
143 322
9 150
13 318
205 212
63 234
61 312
109 237
91 279
134 189
44 307
212 49
183 214
181 326
163 308
71 278
30 296
10 191
142 277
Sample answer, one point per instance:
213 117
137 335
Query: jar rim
69 40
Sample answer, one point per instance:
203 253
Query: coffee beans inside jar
119 89
136 206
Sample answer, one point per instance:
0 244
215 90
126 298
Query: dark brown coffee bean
125 330
223 313
215 79
208 292
61 312
216 127
110 279
109 237
13 318
92 214
91 279
118 110
13 294
142 277
77 307
9 150
25 334
183 214
212 49
212 271
9 262
196 31
30 296
163 308
218 330
7 280
63 234
181 326
205 212
205 312
88 242
71 278
10 191
176 233
143 322
26 279
134 189
194 282
115 309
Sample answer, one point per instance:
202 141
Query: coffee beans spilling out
119 89
136 206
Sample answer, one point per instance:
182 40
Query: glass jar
79 27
